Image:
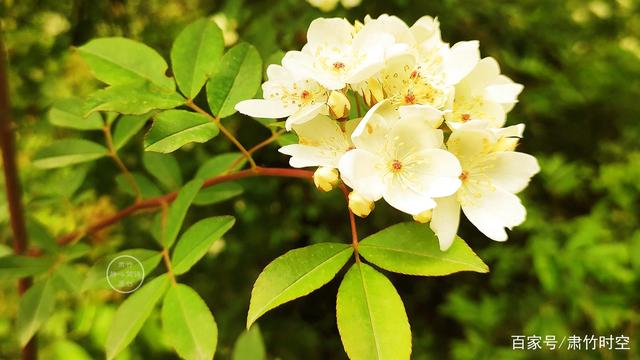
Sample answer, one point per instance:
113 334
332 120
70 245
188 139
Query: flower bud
326 178
339 105
424 217
372 92
360 205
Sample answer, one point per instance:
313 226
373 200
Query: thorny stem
114 155
224 130
12 186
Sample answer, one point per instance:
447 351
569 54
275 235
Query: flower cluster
432 140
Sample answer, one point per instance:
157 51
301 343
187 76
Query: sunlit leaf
178 210
218 193
36 306
174 128
136 98
70 113
164 168
96 277
249 345
69 152
126 127
16 266
146 186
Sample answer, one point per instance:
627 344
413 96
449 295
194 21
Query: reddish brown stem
12 185
167 198
352 221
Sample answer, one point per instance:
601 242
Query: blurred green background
572 268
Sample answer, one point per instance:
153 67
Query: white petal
494 210
467 143
485 73
363 172
426 113
511 171
436 173
329 31
371 132
504 93
322 143
462 58
409 137
269 109
405 199
305 114
445 220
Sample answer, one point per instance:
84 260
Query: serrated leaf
412 248
195 242
126 127
295 274
188 324
174 128
96 277
36 306
164 168
194 55
371 317
146 186
69 113
249 345
219 165
17 266
236 78
178 210
69 152
117 60
132 314
217 193
136 98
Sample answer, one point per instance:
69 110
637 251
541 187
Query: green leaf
219 164
217 193
16 266
126 127
68 350
133 98
96 277
36 306
132 314
237 78
174 128
194 55
178 210
195 242
68 152
412 248
250 345
67 278
146 186
69 113
188 324
163 167
295 274
118 61
371 317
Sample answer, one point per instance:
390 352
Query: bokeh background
572 268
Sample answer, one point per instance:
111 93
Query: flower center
409 98
305 95
396 166
464 176
465 117
337 66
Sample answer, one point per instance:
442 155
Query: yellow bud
360 205
424 217
339 104
326 178
375 88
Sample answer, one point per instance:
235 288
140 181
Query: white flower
322 142
336 55
287 94
399 159
490 180
484 94
228 27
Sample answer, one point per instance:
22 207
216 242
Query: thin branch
116 158
167 198
225 131
257 147
12 184
352 221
